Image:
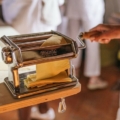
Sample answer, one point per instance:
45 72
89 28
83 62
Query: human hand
105 33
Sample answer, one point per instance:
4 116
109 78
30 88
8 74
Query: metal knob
6 55
80 38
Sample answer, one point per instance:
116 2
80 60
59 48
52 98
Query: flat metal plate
24 91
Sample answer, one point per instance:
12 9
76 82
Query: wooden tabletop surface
8 103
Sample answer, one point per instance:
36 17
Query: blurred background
97 67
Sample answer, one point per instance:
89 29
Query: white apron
83 15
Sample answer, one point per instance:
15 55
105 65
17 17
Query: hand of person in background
105 33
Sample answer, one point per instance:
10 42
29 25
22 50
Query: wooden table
8 103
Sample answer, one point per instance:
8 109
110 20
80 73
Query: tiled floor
87 105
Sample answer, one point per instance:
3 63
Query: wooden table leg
24 113
43 107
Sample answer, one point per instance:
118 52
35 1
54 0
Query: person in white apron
83 15
31 16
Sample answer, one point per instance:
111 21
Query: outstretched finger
104 41
100 28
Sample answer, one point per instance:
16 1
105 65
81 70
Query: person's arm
105 33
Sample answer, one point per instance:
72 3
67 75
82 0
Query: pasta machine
23 50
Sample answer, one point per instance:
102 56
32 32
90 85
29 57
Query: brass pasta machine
23 50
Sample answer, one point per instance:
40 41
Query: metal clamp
62 106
